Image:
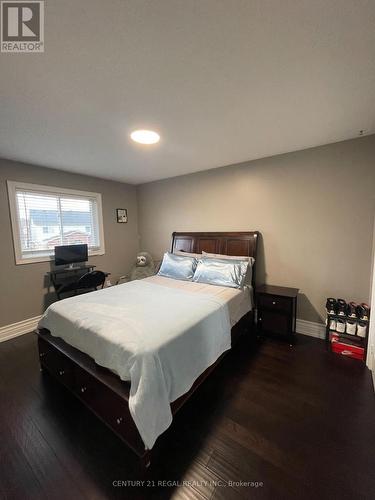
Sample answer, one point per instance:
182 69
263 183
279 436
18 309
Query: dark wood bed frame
102 391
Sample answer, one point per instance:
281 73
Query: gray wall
23 287
314 208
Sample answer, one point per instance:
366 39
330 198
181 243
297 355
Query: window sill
50 258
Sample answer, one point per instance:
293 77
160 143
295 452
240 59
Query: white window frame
13 206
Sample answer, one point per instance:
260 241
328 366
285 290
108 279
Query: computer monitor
70 254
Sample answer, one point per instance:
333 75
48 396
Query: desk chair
90 282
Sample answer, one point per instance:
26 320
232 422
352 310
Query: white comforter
160 338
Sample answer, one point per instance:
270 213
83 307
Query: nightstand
277 308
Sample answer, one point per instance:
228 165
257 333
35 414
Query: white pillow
250 260
188 254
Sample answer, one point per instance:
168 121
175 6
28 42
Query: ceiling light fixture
145 136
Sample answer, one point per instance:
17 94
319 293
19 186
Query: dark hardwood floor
298 422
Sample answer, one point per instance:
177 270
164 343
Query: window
44 217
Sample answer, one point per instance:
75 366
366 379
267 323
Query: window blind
48 219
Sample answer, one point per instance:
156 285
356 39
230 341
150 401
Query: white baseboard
311 329
10 331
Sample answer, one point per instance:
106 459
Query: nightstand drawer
275 303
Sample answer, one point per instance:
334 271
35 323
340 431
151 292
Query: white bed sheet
239 301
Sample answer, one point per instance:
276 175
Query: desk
66 280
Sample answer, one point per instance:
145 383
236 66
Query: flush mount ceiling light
145 136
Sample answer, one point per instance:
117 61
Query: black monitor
70 254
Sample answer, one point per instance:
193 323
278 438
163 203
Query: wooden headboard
233 243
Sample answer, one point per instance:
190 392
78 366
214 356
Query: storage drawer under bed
56 363
106 403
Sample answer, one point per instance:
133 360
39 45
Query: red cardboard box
344 348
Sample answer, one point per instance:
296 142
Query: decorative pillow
229 257
250 260
222 272
188 254
177 267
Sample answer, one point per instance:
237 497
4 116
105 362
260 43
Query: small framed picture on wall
122 215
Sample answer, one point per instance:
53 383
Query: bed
97 348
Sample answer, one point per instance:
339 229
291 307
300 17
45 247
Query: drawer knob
119 420
83 389
42 354
61 372
273 303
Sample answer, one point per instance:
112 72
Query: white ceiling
222 81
